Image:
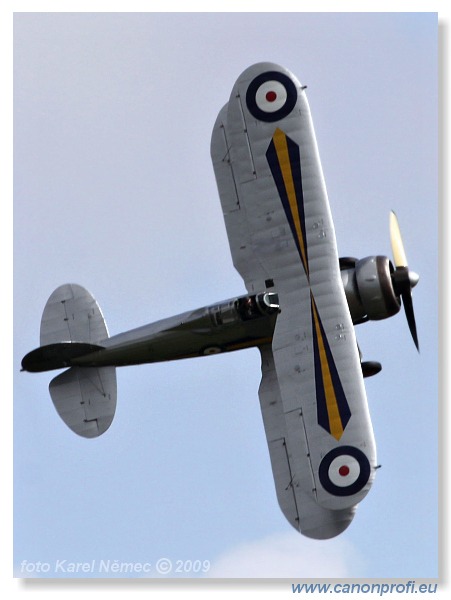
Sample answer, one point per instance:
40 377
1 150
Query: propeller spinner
403 279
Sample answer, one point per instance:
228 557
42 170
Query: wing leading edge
282 238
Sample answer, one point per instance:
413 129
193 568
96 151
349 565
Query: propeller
403 279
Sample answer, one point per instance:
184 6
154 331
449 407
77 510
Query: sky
114 190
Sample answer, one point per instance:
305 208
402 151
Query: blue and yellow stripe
332 407
283 156
285 164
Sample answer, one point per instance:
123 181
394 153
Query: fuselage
234 324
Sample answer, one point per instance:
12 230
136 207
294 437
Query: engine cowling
369 288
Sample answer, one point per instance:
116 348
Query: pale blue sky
114 190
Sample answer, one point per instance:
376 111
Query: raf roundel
344 471
271 96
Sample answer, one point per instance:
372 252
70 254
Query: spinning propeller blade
403 279
397 245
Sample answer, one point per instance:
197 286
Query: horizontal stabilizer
72 326
85 398
56 356
72 315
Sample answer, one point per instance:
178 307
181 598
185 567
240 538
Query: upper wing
282 237
286 435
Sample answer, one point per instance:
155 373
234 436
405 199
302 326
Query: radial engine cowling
369 288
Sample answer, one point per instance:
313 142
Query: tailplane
72 325
85 398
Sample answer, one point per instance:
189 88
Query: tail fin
72 325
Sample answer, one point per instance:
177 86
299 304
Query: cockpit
245 308
254 307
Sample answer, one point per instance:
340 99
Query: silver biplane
301 305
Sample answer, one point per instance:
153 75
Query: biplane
301 304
